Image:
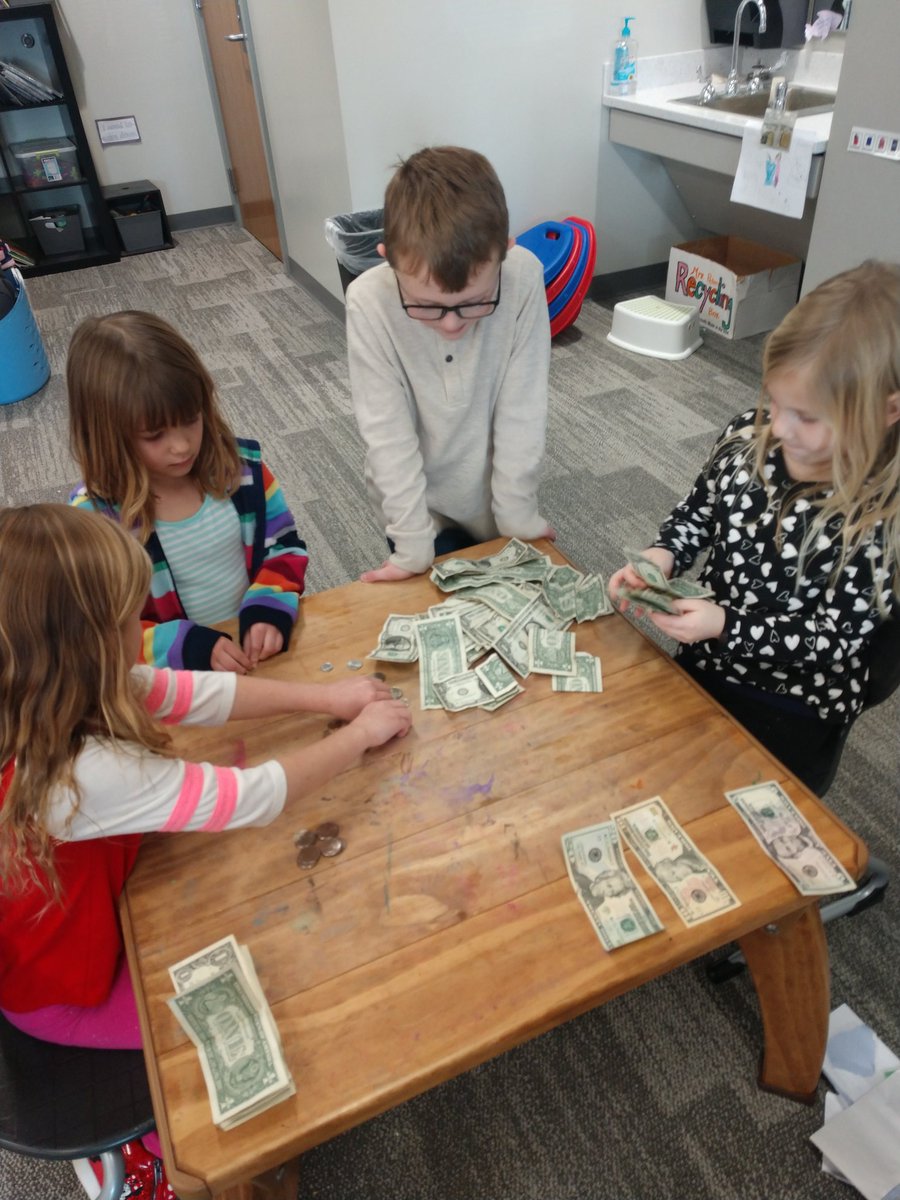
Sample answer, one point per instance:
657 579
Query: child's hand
261 641
386 573
693 621
346 698
549 533
383 719
627 577
227 656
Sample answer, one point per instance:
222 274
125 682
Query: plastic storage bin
25 365
138 230
354 238
42 161
59 231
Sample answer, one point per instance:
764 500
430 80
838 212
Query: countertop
664 78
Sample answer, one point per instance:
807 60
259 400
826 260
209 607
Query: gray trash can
354 238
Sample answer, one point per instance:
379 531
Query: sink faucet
732 87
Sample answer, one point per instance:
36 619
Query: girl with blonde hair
87 768
798 507
157 455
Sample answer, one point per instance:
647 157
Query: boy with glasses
449 350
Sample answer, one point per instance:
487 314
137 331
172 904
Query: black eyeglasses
434 312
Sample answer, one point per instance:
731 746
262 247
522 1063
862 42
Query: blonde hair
847 332
69 582
129 372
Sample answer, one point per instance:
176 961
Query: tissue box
738 287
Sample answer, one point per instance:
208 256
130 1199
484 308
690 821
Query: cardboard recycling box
738 286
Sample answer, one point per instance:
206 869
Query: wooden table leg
789 965
280 1184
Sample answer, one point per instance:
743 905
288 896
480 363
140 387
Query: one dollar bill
789 840
614 902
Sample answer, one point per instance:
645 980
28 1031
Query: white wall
144 59
859 199
295 62
349 86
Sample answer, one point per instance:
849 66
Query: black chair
884 679
65 1102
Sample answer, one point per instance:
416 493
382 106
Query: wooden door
240 118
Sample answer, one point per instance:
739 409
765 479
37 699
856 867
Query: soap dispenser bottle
624 72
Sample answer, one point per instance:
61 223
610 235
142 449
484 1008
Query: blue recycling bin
24 368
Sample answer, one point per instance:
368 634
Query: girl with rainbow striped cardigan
157 455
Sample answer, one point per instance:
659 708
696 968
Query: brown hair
444 210
847 331
70 581
129 372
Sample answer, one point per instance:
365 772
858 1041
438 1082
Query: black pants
448 541
807 745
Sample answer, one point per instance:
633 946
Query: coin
354 664
330 846
308 857
305 837
328 829
396 693
379 675
327 667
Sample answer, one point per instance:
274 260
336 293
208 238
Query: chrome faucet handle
707 87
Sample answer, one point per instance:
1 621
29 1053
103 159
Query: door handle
235 37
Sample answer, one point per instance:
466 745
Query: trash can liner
354 238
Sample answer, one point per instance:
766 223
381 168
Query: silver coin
354 664
305 837
396 693
379 675
327 667
308 857
330 846
328 829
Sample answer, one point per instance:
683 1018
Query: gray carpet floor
651 1097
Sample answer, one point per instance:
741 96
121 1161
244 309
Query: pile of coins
321 842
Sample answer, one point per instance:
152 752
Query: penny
328 829
379 675
308 857
330 846
305 837
354 664
327 667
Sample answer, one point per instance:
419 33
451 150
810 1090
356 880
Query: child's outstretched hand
346 698
262 641
386 573
693 621
383 719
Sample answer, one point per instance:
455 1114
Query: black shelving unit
29 40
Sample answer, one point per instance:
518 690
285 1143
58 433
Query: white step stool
648 325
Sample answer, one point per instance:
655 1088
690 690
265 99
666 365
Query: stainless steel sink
805 100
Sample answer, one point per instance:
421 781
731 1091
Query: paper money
789 840
588 676
221 1007
591 599
550 651
441 653
397 640
462 691
496 676
617 907
692 884
660 591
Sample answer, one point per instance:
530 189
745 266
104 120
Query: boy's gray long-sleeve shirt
454 429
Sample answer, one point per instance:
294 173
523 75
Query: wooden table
447 931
